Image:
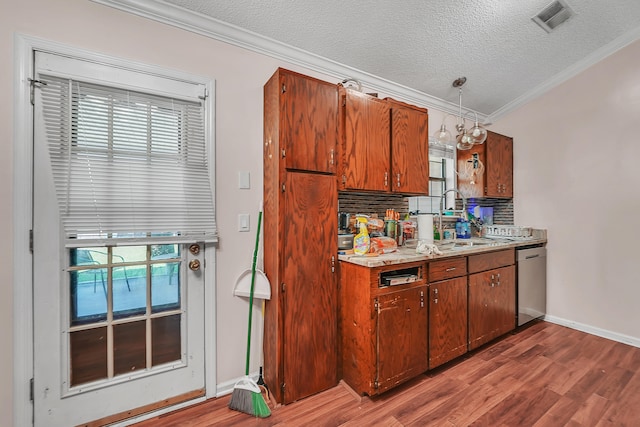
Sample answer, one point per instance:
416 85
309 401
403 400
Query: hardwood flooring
542 375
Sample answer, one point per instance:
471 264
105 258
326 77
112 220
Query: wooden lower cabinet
401 336
447 320
391 334
384 330
492 305
447 310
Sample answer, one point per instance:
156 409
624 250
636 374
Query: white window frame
24 46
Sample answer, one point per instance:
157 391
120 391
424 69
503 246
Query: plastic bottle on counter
362 241
463 229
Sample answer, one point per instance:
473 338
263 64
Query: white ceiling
425 44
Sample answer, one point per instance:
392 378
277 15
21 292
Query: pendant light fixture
466 138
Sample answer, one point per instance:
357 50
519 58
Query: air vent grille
553 15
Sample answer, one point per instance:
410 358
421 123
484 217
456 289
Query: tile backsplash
376 203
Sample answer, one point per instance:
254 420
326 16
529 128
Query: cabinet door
499 166
309 342
469 179
409 150
482 313
505 290
309 126
447 320
367 139
401 335
491 305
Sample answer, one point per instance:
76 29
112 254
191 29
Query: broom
247 396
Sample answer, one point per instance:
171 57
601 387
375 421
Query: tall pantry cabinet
300 240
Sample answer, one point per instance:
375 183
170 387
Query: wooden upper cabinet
409 149
366 153
496 154
309 123
385 145
499 166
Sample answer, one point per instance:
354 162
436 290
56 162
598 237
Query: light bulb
464 141
478 133
442 135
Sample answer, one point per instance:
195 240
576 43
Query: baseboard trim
625 339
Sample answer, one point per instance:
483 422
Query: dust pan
262 287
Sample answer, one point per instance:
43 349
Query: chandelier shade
466 138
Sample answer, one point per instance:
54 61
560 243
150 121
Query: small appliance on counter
345 241
345 236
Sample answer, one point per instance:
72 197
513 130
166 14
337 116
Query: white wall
576 153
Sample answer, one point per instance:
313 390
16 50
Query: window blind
127 164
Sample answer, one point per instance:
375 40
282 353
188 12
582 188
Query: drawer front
447 268
491 260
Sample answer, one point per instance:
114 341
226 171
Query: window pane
88 256
88 296
165 286
88 353
129 254
129 293
165 251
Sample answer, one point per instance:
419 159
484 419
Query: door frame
23 60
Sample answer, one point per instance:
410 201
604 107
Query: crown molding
580 66
207 26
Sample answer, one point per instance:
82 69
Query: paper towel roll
425 227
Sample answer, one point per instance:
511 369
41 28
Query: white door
118 328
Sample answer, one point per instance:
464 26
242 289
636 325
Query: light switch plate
244 180
243 222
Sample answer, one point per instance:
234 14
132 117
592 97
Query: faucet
442 197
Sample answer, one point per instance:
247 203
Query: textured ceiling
426 44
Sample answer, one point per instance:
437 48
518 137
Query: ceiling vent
553 15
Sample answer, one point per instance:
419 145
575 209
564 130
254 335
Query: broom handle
253 282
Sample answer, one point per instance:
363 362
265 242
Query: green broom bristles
247 398
260 407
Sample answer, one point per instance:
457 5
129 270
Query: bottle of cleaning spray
362 241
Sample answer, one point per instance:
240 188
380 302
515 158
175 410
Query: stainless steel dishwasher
532 283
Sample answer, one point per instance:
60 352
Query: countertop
462 247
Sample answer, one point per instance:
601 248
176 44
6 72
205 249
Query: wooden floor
543 375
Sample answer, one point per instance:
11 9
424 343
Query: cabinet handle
333 264
450 269
435 293
386 179
421 298
398 180
331 154
498 284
